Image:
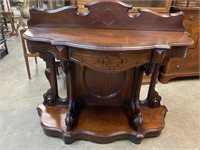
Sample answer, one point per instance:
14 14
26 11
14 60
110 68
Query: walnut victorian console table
104 54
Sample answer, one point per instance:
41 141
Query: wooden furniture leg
135 102
35 60
27 67
153 96
70 116
26 54
14 31
5 22
51 96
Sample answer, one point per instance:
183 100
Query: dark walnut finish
104 54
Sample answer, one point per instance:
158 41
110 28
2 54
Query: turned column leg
51 96
137 119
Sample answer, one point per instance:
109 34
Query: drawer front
184 66
193 53
109 61
193 17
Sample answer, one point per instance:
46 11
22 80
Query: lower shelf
101 124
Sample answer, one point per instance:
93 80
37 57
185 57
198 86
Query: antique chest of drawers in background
190 66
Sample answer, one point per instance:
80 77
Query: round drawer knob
178 67
192 18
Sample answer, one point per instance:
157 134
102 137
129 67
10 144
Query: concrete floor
20 124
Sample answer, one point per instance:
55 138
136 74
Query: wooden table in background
9 15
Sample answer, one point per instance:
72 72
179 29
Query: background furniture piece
35 55
9 15
26 53
54 4
3 45
190 66
161 6
104 54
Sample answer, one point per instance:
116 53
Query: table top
109 39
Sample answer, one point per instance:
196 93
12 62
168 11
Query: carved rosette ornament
113 62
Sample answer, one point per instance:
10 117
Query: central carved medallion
113 62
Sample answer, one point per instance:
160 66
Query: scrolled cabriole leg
70 116
137 119
51 96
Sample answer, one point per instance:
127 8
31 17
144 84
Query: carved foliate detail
111 62
138 121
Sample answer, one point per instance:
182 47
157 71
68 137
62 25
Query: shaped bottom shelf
101 124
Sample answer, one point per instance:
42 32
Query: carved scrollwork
113 62
138 121
72 104
109 62
71 114
154 101
49 98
